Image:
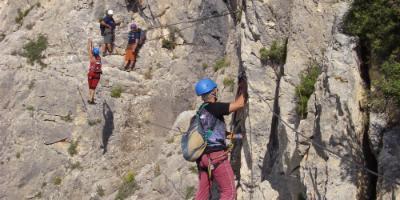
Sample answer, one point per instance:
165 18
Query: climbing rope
361 166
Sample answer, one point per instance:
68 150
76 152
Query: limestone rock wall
47 105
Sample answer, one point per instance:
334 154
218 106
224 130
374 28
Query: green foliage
148 74
170 43
306 87
389 83
100 191
189 193
18 155
129 177
276 53
128 186
33 50
30 108
229 83
376 23
171 140
57 180
116 91
205 66
76 165
73 148
193 169
22 14
67 118
221 63
157 170
93 122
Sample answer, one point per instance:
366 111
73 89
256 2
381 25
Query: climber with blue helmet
214 163
94 70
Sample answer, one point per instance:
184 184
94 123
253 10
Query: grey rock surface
44 116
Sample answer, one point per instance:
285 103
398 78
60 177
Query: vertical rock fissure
371 163
368 185
273 146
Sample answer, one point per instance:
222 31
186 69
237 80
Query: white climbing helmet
110 12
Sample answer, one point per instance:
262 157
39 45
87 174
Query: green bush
93 122
116 91
76 165
308 79
100 191
33 50
205 66
376 23
67 118
189 193
221 63
30 108
229 83
148 74
57 180
21 15
128 186
276 53
73 148
170 43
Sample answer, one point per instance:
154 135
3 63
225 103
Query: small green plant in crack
221 63
189 192
170 43
116 91
148 74
193 169
30 108
170 140
73 148
76 165
22 14
67 118
229 83
205 66
100 191
33 50
128 186
157 170
93 122
57 180
276 53
305 89
18 155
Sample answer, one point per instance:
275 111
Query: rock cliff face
56 146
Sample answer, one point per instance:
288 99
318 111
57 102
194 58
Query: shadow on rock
108 127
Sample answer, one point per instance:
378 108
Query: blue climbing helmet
205 86
96 51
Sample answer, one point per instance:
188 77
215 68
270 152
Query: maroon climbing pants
223 174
